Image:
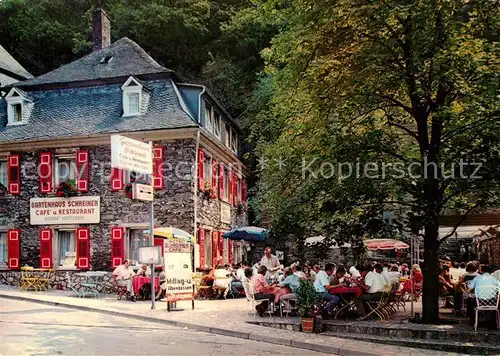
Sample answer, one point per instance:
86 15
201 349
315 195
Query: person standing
270 261
124 274
322 283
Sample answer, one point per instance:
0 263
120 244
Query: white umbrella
318 239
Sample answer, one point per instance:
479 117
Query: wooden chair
121 290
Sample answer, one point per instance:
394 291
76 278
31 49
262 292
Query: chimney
101 29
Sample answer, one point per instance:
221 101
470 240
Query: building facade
63 207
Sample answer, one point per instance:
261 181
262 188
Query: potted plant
207 190
308 300
66 189
3 190
240 209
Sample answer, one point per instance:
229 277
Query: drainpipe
195 178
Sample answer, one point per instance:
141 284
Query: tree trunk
430 297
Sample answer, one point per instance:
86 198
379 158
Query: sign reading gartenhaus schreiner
57 211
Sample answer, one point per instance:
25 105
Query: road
35 329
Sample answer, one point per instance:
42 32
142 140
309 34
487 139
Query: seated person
469 275
484 287
445 285
393 274
144 271
262 290
337 279
124 274
162 284
322 284
221 279
373 284
238 278
417 280
291 281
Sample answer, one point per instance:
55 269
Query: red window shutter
158 174
117 179
46 248
13 248
235 189
82 171
45 170
117 246
215 239
157 241
230 251
215 179
83 248
201 242
221 247
201 172
13 175
230 188
221 181
243 191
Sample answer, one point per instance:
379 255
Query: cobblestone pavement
230 314
28 328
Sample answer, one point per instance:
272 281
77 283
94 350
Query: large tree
401 93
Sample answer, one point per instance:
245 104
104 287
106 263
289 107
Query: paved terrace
227 317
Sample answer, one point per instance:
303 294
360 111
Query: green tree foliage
395 84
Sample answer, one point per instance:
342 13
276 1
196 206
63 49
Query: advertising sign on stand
178 270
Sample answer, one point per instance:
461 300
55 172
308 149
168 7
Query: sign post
137 156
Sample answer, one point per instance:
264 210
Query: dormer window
16 102
132 95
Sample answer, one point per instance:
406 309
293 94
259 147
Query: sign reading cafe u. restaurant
75 210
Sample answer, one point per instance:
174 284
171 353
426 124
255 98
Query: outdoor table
35 278
138 282
89 283
345 294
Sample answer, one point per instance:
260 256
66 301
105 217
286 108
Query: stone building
61 204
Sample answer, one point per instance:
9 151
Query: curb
218 331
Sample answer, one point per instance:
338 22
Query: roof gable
123 58
9 64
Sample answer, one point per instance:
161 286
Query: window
208 117
208 248
3 173
207 169
18 113
135 239
234 141
3 249
227 135
133 103
226 185
65 248
65 169
16 100
217 124
132 96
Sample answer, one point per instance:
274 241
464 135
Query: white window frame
234 141
13 98
4 235
217 124
56 248
131 86
209 118
227 134
72 159
128 243
4 172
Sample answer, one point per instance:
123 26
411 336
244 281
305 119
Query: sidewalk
225 317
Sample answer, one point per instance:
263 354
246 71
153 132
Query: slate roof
127 58
9 64
93 110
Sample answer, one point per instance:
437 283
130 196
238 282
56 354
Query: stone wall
63 280
173 206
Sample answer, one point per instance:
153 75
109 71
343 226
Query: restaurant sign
57 211
225 213
178 270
